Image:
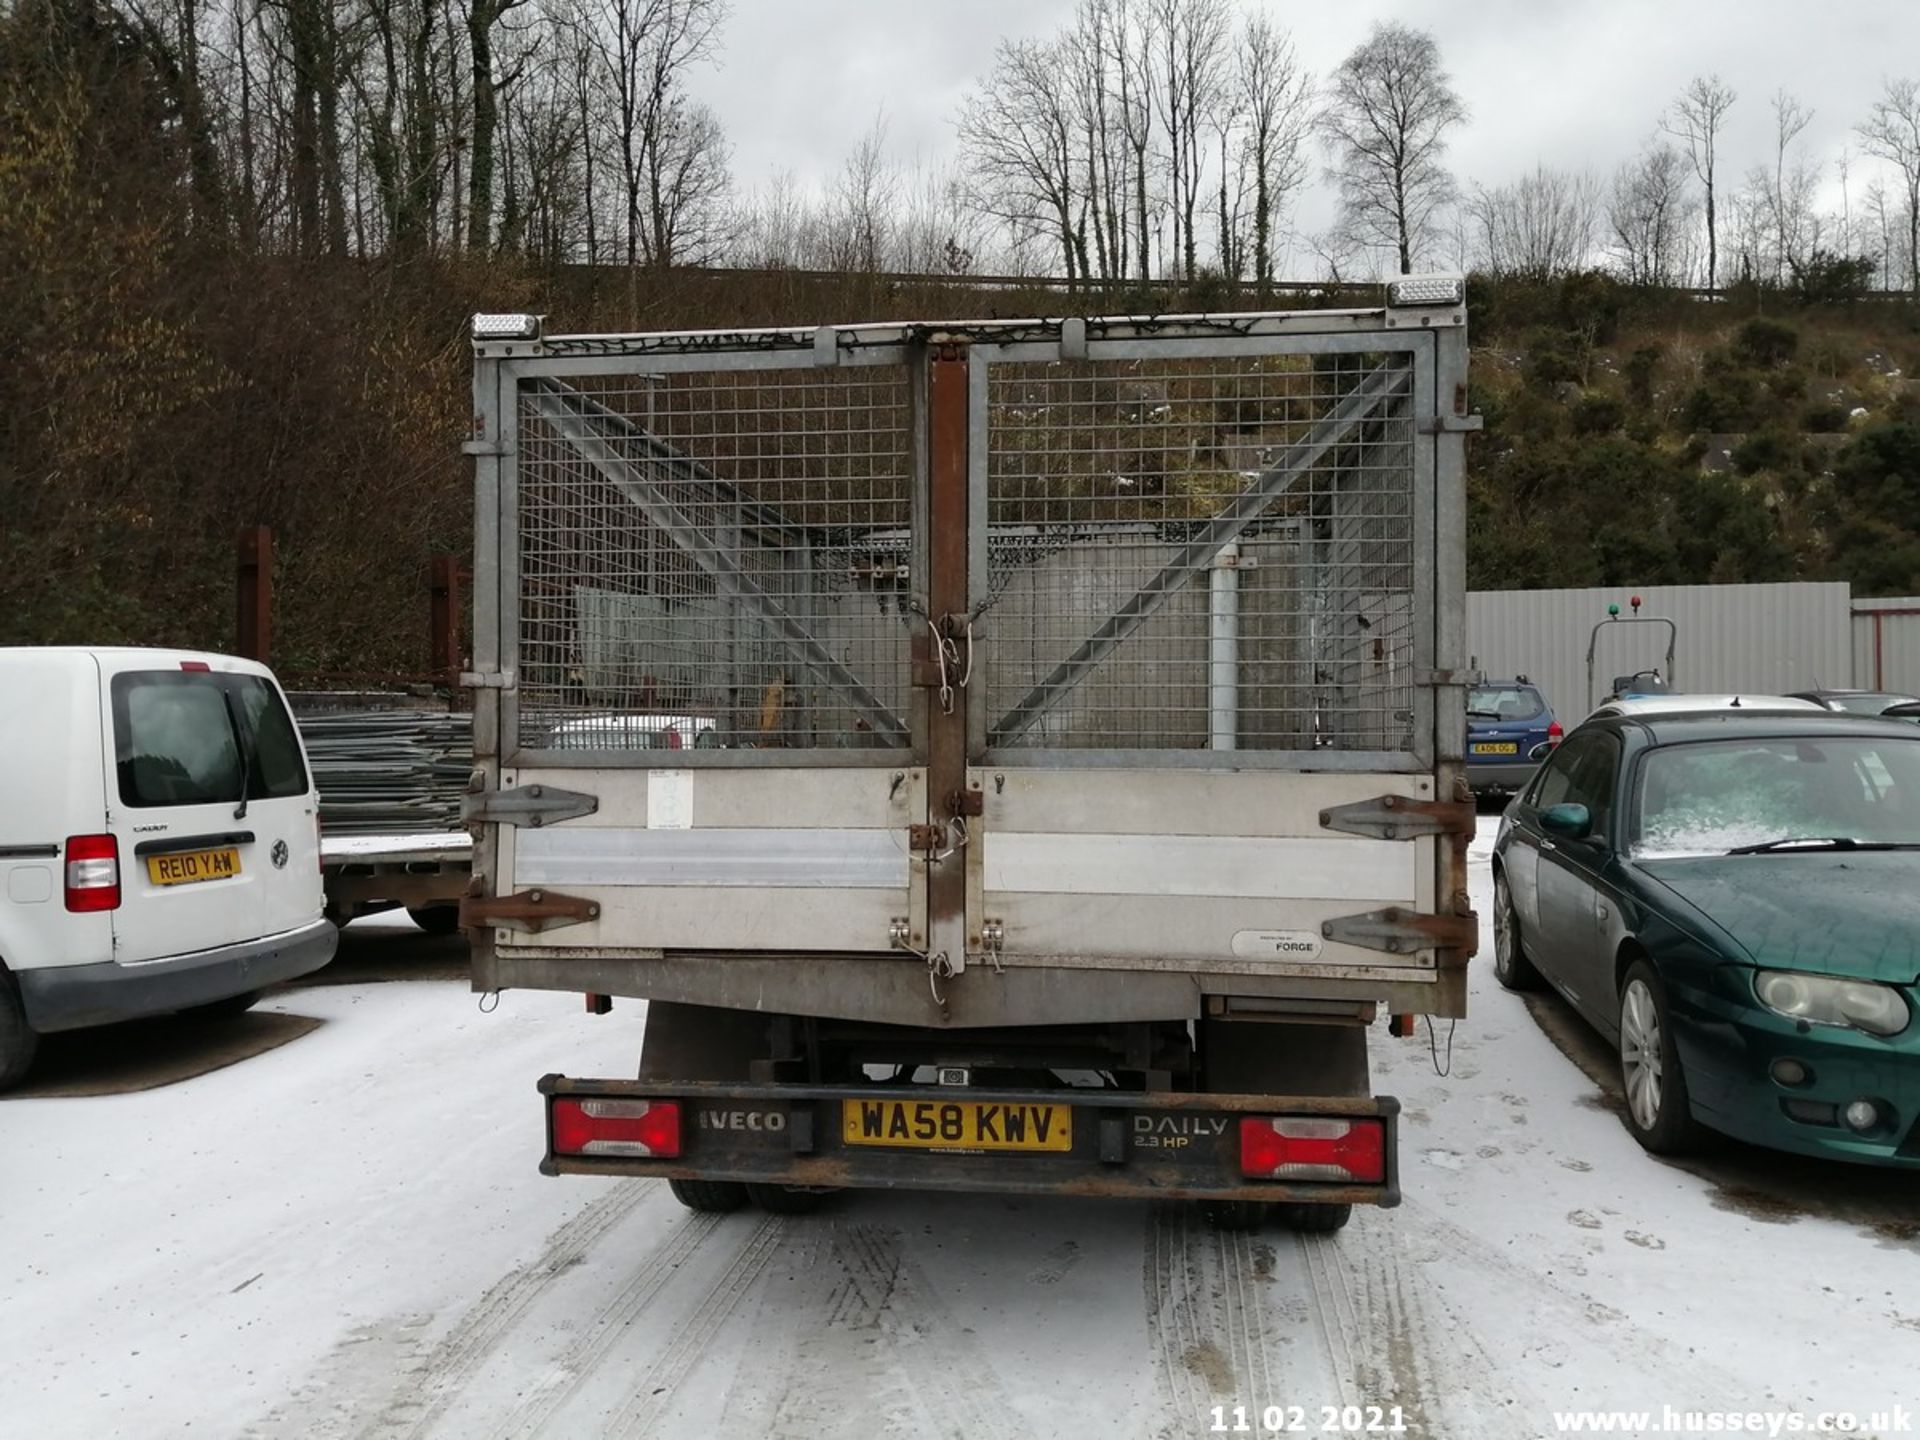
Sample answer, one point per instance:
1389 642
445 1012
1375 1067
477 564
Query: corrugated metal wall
1886 644
1763 638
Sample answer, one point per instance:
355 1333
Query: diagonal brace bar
1382 385
602 437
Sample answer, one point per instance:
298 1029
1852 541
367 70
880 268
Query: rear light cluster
1299 1147
93 873
647 1128
1555 734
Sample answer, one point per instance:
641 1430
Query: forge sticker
1276 944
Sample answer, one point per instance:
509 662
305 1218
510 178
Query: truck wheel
787 1199
1313 1219
1235 1214
435 919
18 1042
714 1197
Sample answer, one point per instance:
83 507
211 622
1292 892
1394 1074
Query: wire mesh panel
1206 553
715 559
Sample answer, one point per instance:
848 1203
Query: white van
139 872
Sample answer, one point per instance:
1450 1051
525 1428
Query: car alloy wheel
1640 1057
1510 964
1659 1113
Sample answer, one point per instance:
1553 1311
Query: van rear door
211 806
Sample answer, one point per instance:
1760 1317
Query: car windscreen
1504 702
1715 796
175 741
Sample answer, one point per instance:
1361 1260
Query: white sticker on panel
1276 944
670 800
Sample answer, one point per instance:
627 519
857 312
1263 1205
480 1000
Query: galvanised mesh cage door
714 564
1205 580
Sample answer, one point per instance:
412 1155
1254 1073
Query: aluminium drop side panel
1121 840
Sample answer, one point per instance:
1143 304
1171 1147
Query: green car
1733 898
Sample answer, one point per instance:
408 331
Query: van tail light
198 667
1554 733
1302 1147
616 1127
93 873
319 860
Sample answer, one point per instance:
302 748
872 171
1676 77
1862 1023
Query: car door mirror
1571 822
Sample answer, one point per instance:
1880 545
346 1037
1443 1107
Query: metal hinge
1451 424
534 805
531 911
1447 679
1399 931
1399 817
486 679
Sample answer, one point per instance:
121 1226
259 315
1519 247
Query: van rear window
175 741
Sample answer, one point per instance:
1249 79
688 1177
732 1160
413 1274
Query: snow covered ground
345 1236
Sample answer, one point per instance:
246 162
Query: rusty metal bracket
1400 817
967 803
1400 931
533 805
531 911
924 839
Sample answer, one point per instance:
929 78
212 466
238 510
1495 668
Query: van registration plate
956 1125
192 866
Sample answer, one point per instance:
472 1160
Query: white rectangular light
506 327
1427 290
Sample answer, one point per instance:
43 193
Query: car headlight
1831 1000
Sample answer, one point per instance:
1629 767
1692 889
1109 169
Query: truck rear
1080 721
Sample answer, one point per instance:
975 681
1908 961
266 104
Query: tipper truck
1009 756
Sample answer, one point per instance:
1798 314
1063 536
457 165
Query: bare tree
482 18
1648 210
1191 37
1891 132
1017 133
1277 96
1388 110
1541 226
1786 194
1696 120
1133 68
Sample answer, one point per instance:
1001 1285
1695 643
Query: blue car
1510 730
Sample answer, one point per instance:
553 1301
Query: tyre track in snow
599 1335
442 1377
1206 1320
866 1321
654 1395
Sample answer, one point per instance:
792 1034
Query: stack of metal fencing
385 770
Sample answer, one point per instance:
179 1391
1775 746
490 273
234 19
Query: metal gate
1050 643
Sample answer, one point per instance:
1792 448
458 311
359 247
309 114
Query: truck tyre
787 1199
18 1042
435 919
1510 964
713 1197
1245 1215
1313 1219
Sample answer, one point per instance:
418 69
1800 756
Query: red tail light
93 873
197 666
1554 733
617 1127
1300 1147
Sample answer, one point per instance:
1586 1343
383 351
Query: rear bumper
69 997
1162 1145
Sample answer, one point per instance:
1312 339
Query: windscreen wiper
1822 842
240 734
1484 714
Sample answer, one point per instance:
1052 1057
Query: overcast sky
1546 81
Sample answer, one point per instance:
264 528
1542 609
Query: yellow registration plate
956 1125
190 866
1506 747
